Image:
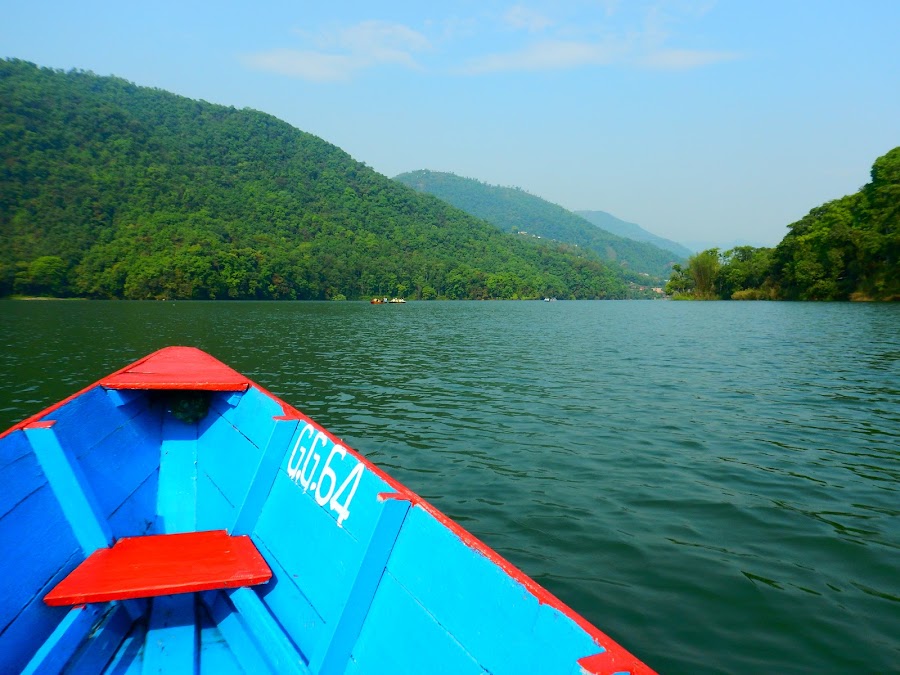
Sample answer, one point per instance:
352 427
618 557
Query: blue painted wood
214 511
231 398
475 600
88 419
242 645
321 557
25 621
264 476
270 639
123 397
19 478
128 658
102 644
177 497
363 515
83 641
65 640
343 633
253 415
70 488
119 465
228 457
286 601
12 448
137 514
170 644
400 636
216 656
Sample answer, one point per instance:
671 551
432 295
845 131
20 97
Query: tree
44 276
703 269
680 282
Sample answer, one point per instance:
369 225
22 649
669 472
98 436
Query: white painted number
343 510
328 472
304 477
293 469
298 468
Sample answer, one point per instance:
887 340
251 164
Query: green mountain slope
607 221
514 210
108 189
848 248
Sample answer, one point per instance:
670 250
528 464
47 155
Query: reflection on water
714 484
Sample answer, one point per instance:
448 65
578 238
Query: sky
706 122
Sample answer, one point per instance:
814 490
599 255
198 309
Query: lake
714 484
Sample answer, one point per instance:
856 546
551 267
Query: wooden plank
70 488
253 415
171 642
176 503
63 642
296 614
343 634
140 567
102 644
271 639
227 457
475 599
401 636
20 479
119 464
304 539
264 476
234 631
178 368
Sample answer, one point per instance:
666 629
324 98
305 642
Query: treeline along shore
111 190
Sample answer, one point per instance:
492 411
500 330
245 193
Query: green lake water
715 485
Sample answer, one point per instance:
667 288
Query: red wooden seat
141 567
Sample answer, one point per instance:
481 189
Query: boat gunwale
612 655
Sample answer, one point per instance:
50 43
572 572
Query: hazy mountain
514 210
610 223
706 244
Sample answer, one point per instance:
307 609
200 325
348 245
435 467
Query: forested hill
514 210
607 221
108 189
846 249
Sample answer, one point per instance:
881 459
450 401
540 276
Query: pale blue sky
697 119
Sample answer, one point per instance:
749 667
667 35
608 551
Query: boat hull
366 577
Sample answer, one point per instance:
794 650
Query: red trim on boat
178 368
614 660
42 424
236 380
397 496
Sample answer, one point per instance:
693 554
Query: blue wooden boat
177 517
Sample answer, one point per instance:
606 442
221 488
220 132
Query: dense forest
514 210
111 190
847 249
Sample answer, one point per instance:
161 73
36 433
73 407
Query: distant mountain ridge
514 210
607 221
